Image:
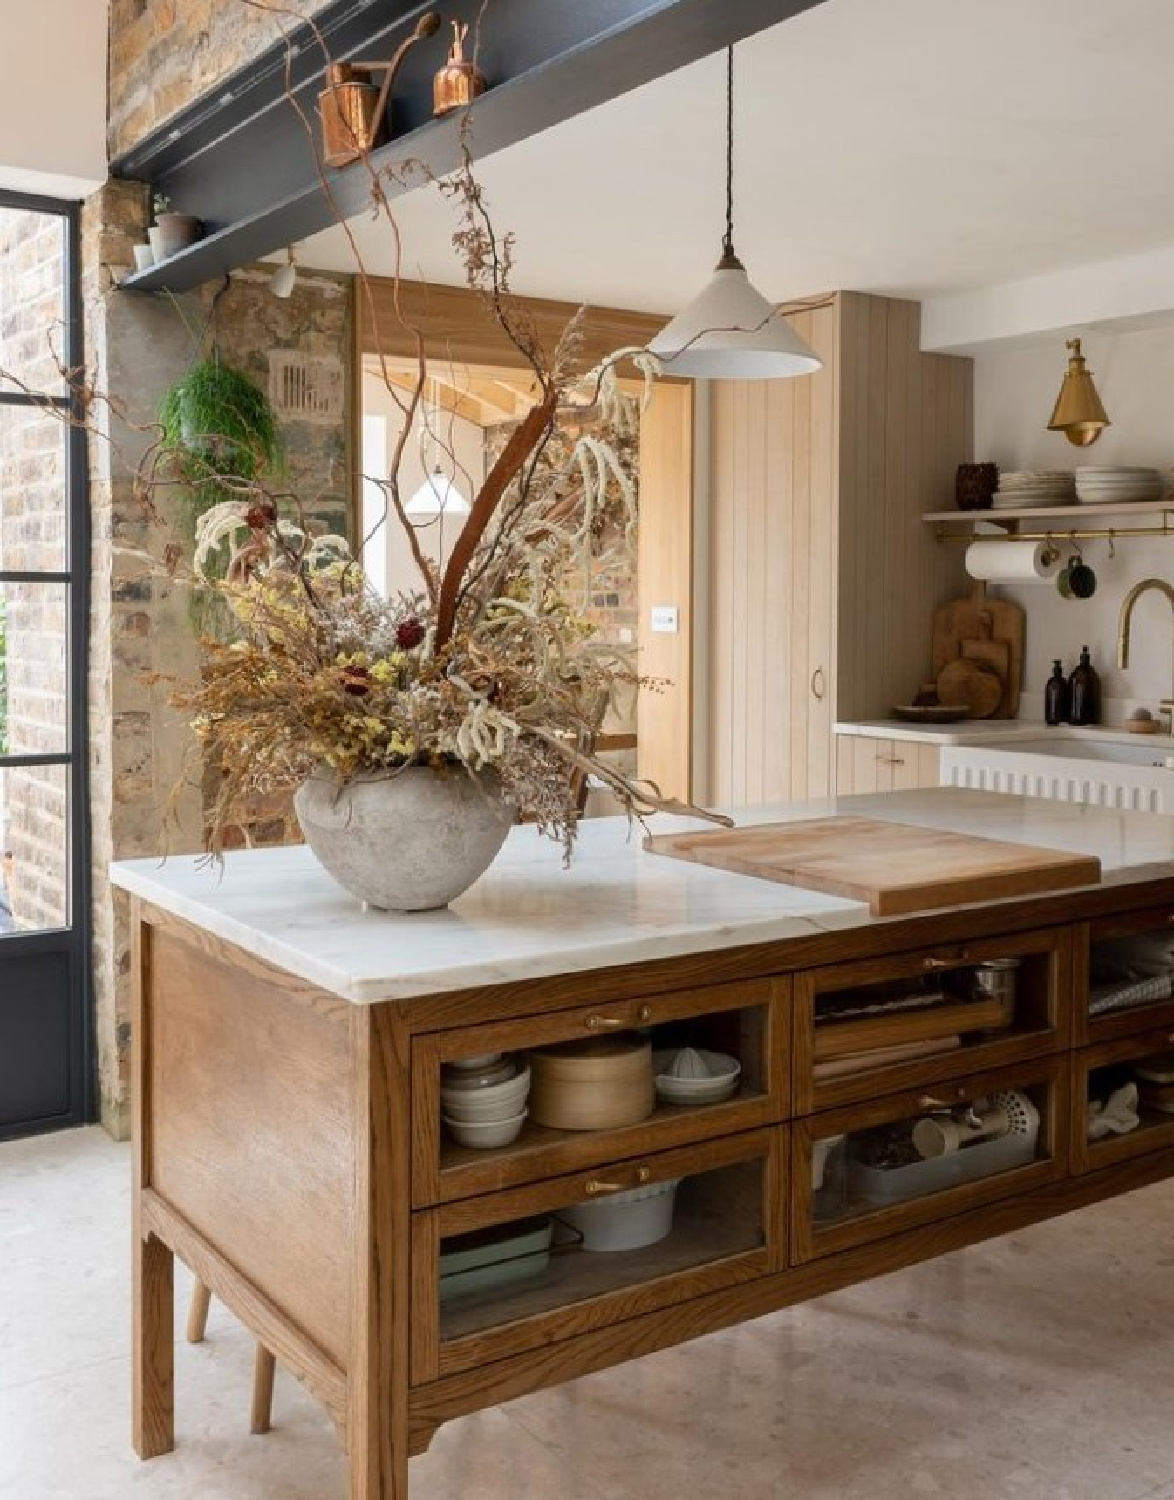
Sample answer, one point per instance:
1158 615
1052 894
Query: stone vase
409 840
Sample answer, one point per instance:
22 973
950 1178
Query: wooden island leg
377 1438
154 1264
154 1346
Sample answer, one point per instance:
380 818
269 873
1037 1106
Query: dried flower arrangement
491 665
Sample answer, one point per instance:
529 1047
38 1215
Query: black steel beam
241 159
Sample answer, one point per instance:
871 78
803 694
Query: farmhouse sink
1137 753
1110 771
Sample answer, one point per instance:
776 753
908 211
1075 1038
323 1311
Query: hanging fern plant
219 432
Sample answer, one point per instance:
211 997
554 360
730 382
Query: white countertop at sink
1000 732
529 918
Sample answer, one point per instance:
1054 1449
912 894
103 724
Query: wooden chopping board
995 655
895 867
962 620
972 685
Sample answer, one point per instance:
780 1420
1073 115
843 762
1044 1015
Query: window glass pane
34 847
34 703
32 490
32 300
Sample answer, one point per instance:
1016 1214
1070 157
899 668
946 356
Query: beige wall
1014 389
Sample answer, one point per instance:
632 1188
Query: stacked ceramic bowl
694 1075
1117 486
1032 489
483 1099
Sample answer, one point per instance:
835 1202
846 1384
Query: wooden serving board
975 619
895 867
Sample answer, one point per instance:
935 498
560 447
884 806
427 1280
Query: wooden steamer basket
599 1083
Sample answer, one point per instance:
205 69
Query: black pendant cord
729 258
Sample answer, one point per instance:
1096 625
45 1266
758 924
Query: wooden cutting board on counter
895 867
965 628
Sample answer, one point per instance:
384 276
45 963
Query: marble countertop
529 918
999 732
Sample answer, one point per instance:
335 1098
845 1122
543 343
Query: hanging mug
1064 580
1081 579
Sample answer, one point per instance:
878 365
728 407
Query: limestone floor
1035 1366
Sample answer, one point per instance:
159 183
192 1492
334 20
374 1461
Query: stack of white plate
1118 485
1031 489
483 1099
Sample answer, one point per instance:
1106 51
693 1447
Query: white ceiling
914 147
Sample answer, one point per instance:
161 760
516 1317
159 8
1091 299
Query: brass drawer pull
599 1187
931 1101
942 963
617 1023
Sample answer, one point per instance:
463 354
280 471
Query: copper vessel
458 83
353 111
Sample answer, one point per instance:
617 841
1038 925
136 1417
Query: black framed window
45 921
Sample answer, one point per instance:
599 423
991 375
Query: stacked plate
1119 485
483 1100
1031 489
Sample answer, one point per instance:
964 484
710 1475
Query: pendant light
438 495
730 331
1078 412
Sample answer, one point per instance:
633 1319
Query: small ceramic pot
177 232
975 486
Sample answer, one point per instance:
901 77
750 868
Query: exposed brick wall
166 53
33 805
140 748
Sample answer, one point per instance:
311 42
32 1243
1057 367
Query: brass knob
939 963
599 1187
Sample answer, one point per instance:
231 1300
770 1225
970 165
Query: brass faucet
1125 619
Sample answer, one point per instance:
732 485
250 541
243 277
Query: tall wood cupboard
820 576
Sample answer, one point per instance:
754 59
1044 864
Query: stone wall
33 800
166 53
141 623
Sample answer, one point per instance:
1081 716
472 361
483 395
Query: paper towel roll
1012 562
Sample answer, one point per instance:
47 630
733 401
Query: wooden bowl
599 1083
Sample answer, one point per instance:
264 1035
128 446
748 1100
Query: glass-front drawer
1125 984
883 1024
519 1269
1122 1100
500 1105
874 1169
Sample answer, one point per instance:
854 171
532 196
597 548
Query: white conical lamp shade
438 494
731 332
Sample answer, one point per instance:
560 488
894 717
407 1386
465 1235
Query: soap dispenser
1085 687
1057 696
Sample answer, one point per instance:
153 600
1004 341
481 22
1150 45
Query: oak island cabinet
292 1052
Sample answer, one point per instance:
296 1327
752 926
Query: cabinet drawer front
873 1027
550 1280
750 1021
1110 953
1098 1073
856 1176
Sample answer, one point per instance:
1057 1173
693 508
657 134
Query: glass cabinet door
1126 985
874 1169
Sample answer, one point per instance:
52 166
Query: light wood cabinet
821 578
865 764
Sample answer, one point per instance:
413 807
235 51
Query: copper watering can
353 109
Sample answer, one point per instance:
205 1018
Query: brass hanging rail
1057 534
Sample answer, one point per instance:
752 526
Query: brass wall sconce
353 110
1078 413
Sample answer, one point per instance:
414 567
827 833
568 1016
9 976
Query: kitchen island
288 1061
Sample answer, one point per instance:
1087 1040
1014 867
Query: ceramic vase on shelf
975 486
409 840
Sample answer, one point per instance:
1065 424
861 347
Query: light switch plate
664 619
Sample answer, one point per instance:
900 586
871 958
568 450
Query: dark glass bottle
1085 687
1057 697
